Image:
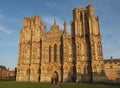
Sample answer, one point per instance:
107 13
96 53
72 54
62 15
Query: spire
91 10
111 58
54 21
64 26
44 28
98 26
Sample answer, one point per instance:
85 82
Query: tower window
55 53
49 53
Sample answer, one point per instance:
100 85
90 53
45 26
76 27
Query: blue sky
12 13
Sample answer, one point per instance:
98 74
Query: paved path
55 86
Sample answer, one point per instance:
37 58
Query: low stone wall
112 75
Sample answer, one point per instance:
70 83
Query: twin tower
55 54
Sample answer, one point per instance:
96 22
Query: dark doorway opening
54 78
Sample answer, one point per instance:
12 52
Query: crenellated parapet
31 30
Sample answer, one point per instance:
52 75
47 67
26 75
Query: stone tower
87 45
55 54
28 68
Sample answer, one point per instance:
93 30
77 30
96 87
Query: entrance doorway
54 78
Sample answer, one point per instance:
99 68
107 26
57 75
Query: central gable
54 33
55 28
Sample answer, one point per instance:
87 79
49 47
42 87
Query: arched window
61 53
55 53
49 53
96 51
82 48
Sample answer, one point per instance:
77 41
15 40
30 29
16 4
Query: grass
13 84
90 85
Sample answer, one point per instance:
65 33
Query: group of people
54 78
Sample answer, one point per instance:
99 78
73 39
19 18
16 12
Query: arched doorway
54 77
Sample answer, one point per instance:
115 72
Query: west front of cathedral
75 57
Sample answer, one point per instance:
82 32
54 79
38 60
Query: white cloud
48 20
50 5
2 29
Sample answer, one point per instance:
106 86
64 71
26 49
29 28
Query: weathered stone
75 57
112 70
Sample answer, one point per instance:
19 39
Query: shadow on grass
13 84
107 84
90 85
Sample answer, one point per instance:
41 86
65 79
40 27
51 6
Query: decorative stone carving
75 57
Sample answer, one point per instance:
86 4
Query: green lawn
13 84
90 85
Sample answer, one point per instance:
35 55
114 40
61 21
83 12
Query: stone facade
112 69
75 57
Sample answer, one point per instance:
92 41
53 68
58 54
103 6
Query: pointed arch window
55 53
49 53
61 53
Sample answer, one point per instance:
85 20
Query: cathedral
74 57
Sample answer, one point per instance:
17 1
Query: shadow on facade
96 77
71 77
114 78
118 73
54 77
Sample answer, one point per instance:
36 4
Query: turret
65 26
75 15
54 22
37 20
55 26
25 21
91 10
44 29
